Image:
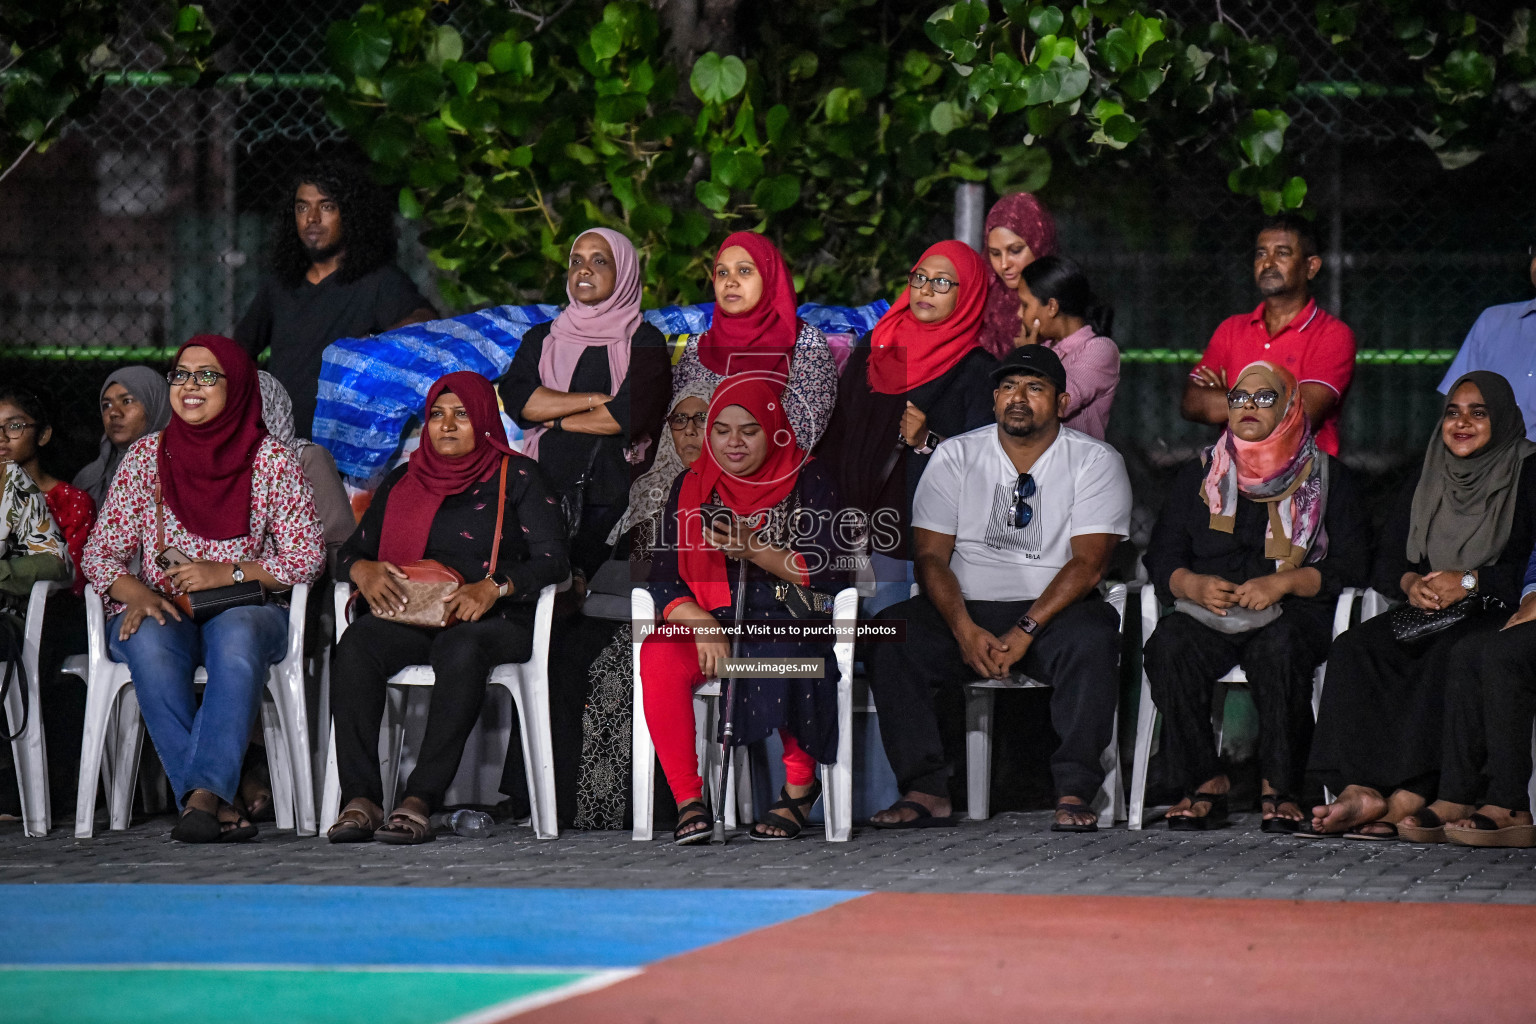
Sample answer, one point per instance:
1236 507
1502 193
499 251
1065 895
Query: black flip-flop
241 833
1215 818
195 826
1277 825
924 819
1387 835
1067 826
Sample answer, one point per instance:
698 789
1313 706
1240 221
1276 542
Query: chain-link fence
148 222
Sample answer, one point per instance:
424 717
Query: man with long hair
334 276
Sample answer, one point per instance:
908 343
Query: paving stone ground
1011 853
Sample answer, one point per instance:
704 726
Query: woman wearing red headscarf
779 534
1019 231
757 329
234 502
442 505
1253 545
919 377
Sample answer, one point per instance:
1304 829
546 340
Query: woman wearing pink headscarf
590 389
1019 231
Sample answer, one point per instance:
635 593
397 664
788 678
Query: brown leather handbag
428 582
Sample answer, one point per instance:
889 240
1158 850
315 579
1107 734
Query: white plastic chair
120 735
836 779
28 748
1146 716
527 683
979 700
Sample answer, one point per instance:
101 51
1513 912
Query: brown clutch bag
428 582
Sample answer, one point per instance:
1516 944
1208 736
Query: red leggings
669 669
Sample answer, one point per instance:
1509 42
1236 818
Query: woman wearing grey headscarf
134 401
319 468
1458 537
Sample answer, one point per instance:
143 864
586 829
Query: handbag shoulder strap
501 511
159 520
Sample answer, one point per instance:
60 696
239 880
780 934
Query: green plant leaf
713 196
389 141
605 41
444 44
412 90
776 121
946 116
777 193
717 79
359 48
1021 169
410 206
1262 136
463 76
511 57
1141 83
1118 49
1046 21
1294 193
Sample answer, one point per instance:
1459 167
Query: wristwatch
1027 625
503 583
929 444
238 575
1469 582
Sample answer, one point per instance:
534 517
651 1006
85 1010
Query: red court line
892 957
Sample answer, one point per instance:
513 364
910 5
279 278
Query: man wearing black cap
1013 527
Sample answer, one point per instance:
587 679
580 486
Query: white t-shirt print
967 492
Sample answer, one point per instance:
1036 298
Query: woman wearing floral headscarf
319 467
1019 231
757 328
1252 547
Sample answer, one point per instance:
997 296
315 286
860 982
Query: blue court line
361 925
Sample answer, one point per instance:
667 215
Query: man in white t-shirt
1013 527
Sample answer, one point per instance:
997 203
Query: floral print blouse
810 395
286 537
26 525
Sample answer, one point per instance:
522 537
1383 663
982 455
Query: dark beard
1025 430
322 255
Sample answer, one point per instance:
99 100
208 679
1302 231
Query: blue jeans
203 747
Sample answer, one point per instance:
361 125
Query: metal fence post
970 213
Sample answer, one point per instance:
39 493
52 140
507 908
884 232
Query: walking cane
728 695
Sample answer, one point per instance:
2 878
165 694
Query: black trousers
1382 715
1184 658
462 656
1490 703
1077 653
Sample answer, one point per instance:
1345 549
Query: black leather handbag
1410 624
202 605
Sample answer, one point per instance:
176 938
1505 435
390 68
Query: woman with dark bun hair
1062 313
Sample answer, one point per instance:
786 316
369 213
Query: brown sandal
353 825
405 828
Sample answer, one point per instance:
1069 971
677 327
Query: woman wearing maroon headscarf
234 505
757 328
442 506
1019 231
920 376
780 536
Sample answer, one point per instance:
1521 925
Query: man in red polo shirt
1288 328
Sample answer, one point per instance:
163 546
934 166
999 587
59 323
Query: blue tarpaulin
371 389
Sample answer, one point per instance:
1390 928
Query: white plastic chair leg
28 748
979 704
277 764
394 740
125 772
1146 723
100 724
330 790
538 761
1109 805
642 756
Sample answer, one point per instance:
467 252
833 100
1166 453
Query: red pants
669 670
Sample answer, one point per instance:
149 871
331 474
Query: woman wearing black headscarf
1462 532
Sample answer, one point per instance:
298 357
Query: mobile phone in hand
717 515
169 556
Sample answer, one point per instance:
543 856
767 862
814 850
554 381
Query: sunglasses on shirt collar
1023 490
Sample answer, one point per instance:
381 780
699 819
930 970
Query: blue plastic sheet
371 389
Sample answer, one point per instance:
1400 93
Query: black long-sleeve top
865 424
639 407
1183 538
1503 578
533 548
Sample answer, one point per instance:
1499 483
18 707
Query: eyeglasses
941 285
207 378
1263 399
1023 490
16 428
680 420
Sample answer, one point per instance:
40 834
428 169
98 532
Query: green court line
321 996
